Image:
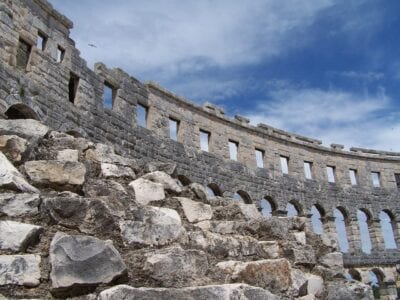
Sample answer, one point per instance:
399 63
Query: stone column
375 232
330 236
396 232
353 235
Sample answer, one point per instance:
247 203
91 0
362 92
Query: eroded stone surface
68 155
114 171
18 236
340 290
14 205
20 270
13 147
195 211
83 261
147 191
167 181
23 128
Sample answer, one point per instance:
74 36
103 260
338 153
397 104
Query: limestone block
315 285
68 155
209 292
300 237
13 147
333 261
20 270
14 205
18 236
269 249
153 166
114 171
249 211
11 178
271 274
175 267
339 290
56 173
167 181
299 282
195 211
152 226
147 191
105 154
83 261
61 141
23 127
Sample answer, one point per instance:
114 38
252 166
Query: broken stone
210 292
299 253
195 211
152 226
249 211
167 181
339 290
82 262
23 127
177 267
62 140
11 178
147 191
107 188
14 205
13 147
315 285
153 166
333 261
105 154
20 270
299 282
56 173
198 191
18 236
269 249
114 171
68 155
300 237
271 274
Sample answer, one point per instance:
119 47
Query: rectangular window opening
330 171
353 176
60 54
284 164
142 114
233 150
173 129
376 179
41 41
109 94
72 87
260 158
308 169
397 178
204 140
23 53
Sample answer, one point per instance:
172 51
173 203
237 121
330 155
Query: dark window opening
72 87
109 95
21 111
142 113
23 53
60 54
397 177
41 41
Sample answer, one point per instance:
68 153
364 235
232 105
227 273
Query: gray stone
105 154
61 141
299 282
13 147
198 191
20 270
83 261
153 166
249 211
147 191
195 211
152 226
271 274
114 171
55 173
299 253
269 249
176 267
340 290
68 155
18 236
14 205
11 178
167 181
208 292
333 261
315 285
23 127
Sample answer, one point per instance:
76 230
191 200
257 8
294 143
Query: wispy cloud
364 76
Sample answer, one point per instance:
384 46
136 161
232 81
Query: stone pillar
330 236
375 232
353 235
388 290
396 232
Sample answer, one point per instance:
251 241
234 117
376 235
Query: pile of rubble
79 220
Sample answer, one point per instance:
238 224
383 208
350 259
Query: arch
293 209
355 275
183 180
242 196
376 281
387 222
21 111
317 213
341 220
364 219
213 190
267 206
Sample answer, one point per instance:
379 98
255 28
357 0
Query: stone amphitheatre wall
41 88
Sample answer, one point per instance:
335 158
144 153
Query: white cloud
355 120
365 76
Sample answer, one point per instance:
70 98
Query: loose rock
195 211
147 191
20 270
18 236
14 205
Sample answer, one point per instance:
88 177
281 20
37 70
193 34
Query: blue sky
324 68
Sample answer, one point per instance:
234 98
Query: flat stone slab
152 226
23 127
209 292
18 236
83 261
14 205
11 178
147 191
114 171
20 270
166 180
195 211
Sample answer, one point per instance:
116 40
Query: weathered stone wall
43 86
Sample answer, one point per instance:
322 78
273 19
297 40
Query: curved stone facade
57 87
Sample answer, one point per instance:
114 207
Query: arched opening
355 275
183 180
293 209
341 219
376 278
317 213
267 207
242 196
364 221
21 111
213 190
386 220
